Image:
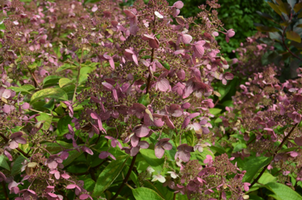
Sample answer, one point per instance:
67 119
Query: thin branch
5 192
125 179
279 147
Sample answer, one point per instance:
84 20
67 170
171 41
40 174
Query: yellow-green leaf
283 7
298 7
266 29
55 93
292 35
64 81
275 8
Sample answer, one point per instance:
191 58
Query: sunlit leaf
143 193
3 163
282 192
55 93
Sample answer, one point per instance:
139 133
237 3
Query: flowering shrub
105 101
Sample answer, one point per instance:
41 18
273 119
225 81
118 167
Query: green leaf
238 146
66 66
50 81
24 88
64 81
55 93
166 65
45 119
253 165
63 125
109 174
292 35
84 73
143 193
144 99
215 111
255 197
189 137
264 15
282 192
89 184
16 169
151 159
57 147
72 156
3 163
266 178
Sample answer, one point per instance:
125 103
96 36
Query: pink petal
142 131
20 140
181 74
298 141
230 33
168 122
87 150
163 85
228 76
186 38
16 134
143 144
6 94
94 8
108 86
159 151
84 196
71 186
6 109
178 4
103 155
52 195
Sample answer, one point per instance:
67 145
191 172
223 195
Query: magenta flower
161 146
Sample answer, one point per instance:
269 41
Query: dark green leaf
266 16
50 81
109 174
63 125
16 169
253 165
72 156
